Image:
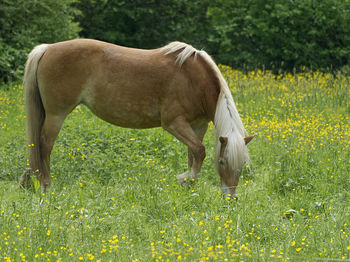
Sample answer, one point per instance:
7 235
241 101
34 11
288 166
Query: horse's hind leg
183 131
49 133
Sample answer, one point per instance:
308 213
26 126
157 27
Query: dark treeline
246 34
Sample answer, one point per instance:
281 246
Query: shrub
281 34
26 23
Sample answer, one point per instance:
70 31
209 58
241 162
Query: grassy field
115 196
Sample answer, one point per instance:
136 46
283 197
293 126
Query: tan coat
176 87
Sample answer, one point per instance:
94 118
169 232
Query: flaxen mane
227 120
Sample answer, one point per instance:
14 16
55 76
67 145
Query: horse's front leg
184 177
192 137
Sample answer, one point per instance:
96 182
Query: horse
176 87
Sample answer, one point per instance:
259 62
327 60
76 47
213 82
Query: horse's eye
222 162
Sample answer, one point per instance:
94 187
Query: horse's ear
248 139
223 141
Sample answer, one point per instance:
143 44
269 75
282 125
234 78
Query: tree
26 23
144 23
281 34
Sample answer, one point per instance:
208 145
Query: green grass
115 194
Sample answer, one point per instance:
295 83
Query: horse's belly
124 114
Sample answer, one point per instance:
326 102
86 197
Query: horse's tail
35 111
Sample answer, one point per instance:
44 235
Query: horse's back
125 86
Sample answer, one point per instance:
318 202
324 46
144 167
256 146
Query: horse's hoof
182 178
45 187
26 182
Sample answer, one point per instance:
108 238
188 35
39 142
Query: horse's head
229 176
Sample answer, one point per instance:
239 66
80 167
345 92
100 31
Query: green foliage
26 23
144 24
246 34
282 34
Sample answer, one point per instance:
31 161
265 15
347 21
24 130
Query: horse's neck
211 86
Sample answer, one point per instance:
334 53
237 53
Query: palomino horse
176 87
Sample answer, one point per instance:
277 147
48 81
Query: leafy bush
26 23
281 34
246 34
144 24
243 33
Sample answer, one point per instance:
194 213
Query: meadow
115 195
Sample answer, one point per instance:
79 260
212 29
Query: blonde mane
187 51
227 120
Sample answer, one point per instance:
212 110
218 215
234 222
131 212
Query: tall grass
115 196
